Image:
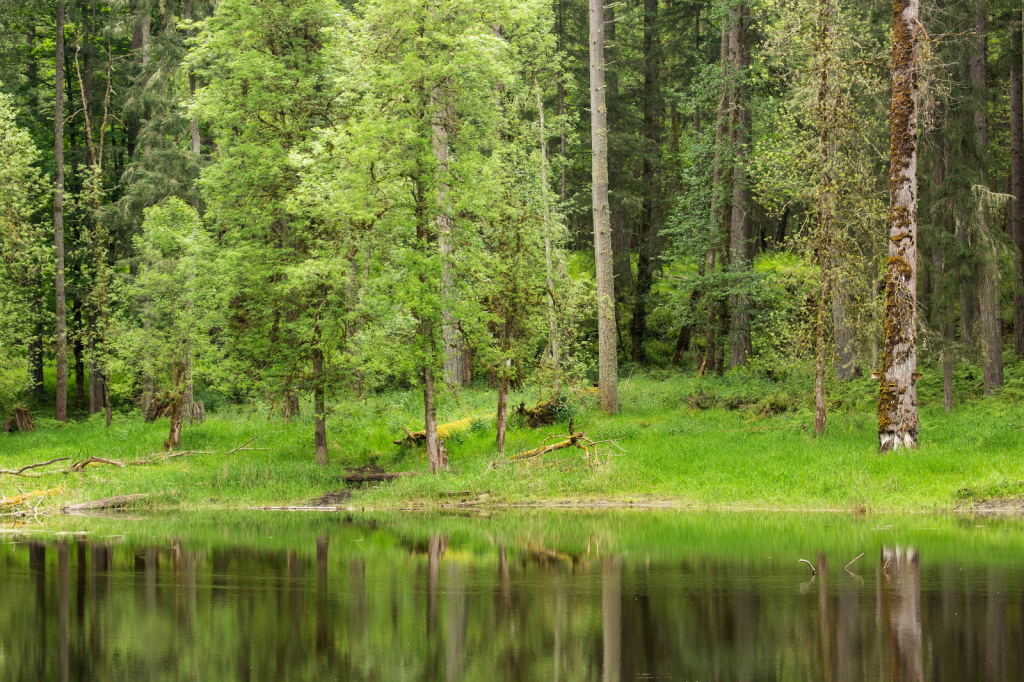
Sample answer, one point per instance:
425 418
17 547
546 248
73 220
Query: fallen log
23 498
444 431
106 503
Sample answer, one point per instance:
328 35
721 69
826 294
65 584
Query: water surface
519 596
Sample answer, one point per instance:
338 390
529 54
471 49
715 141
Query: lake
573 595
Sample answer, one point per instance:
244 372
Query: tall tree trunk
58 219
739 233
1017 189
95 375
607 358
502 407
988 291
320 455
826 207
651 181
552 317
897 395
454 354
76 316
435 460
719 208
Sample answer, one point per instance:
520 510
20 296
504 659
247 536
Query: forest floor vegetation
733 442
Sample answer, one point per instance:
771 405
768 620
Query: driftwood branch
814 571
847 567
106 503
92 460
19 472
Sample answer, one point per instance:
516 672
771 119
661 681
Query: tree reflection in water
354 603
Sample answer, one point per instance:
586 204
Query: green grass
736 455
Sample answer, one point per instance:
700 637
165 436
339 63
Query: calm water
621 596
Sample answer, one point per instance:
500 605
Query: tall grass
732 442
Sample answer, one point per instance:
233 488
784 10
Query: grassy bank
733 443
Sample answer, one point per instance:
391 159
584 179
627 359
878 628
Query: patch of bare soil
332 499
997 505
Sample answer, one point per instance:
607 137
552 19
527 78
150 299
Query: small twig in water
813 570
851 563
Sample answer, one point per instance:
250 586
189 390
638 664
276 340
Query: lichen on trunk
897 395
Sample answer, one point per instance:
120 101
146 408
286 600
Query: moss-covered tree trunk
897 395
608 390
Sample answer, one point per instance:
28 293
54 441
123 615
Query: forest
285 205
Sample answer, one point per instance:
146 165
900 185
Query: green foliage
178 296
25 258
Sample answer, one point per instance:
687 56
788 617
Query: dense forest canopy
215 201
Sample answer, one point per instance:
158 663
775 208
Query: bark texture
608 390
58 219
897 395
454 356
320 455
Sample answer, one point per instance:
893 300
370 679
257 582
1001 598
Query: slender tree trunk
720 207
95 376
320 455
58 219
1017 186
651 182
739 234
454 355
434 446
1017 189
552 317
897 396
826 208
608 360
821 344
502 407
76 316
